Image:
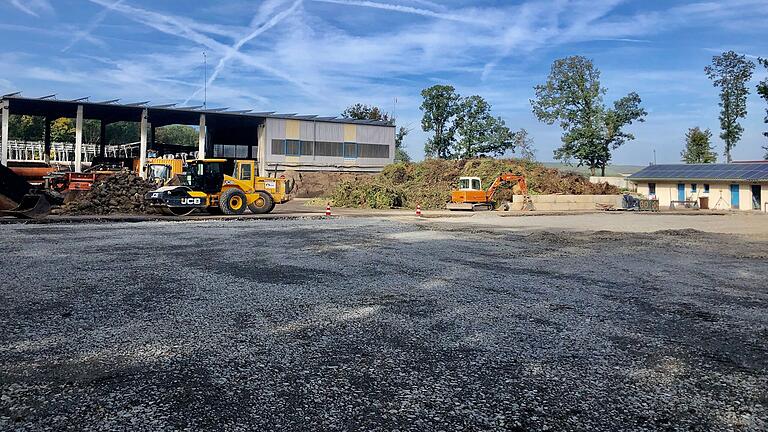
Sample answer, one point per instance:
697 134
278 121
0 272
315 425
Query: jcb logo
191 201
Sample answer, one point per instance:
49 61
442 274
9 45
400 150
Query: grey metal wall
327 132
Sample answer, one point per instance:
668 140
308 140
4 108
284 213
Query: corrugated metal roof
724 172
50 99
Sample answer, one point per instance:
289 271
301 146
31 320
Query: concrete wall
619 182
313 131
567 202
719 194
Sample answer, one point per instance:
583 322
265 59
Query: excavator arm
507 178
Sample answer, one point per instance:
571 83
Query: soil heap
122 193
429 183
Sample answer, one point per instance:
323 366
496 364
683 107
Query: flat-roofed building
736 186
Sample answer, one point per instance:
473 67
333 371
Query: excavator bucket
32 206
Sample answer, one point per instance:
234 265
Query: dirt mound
121 192
321 184
429 183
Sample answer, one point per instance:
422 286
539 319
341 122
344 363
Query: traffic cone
418 210
328 209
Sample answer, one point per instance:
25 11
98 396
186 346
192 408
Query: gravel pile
375 325
121 193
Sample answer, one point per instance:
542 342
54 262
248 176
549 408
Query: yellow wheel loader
204 186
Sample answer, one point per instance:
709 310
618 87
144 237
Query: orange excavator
471 196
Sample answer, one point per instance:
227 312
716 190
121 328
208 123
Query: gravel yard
376 324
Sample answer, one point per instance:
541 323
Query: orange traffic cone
328 209
418 210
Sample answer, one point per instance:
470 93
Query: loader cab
159 173
244 170
205 175
470 184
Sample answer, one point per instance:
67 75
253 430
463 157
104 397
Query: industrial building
734 186
278 142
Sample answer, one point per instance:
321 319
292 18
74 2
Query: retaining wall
567 202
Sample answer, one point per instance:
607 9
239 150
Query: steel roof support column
143 145
6 112
47 141
79 139
102 138
262 149
202 138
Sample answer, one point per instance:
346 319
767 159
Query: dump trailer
31 202
204 186
470 195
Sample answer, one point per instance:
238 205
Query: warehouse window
292 147
324 148
306 148
706 188
230 151
372 151
278 147
693 187
350 150
651 188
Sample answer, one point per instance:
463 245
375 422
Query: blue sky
318 56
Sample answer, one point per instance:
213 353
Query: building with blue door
734 186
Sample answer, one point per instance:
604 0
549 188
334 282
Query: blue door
681 191
734 196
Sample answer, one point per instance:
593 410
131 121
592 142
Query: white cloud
33 7
406 9
261 24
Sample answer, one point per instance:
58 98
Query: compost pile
122 192
429 183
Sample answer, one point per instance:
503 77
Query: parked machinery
203 185
471 196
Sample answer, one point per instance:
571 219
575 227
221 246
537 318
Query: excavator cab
470 184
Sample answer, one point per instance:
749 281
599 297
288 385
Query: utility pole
205 80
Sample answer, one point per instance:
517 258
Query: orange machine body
471 196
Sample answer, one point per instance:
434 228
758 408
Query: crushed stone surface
371 324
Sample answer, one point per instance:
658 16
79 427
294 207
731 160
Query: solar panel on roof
745 171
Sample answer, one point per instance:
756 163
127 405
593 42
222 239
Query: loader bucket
32 206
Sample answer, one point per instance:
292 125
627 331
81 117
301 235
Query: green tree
91 131
26 127
731 72
440 106
573 97
524 145
479 132
698 148
400 154
177 135
63 130
762 90
123 132
365 112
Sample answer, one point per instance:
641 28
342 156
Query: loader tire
233 202
263 204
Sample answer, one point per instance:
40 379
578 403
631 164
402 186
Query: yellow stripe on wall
292 128
350 133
